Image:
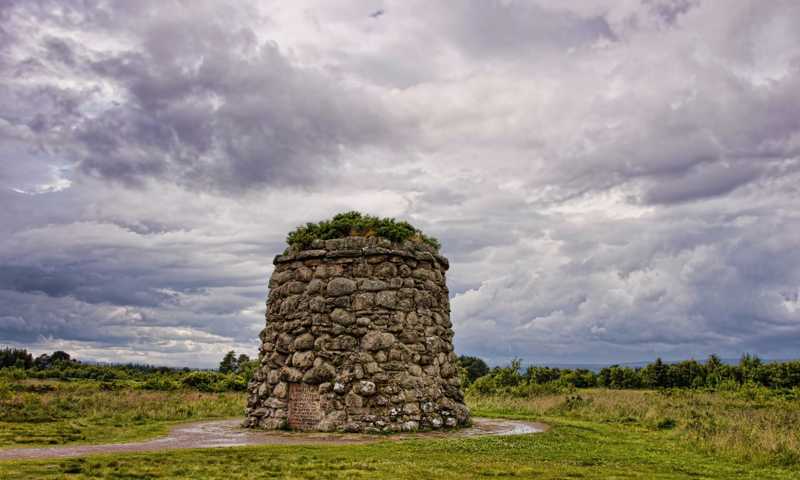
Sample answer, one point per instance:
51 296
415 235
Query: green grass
600 434
35 413
572 449
748 426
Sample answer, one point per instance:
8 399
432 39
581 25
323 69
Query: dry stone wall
358 339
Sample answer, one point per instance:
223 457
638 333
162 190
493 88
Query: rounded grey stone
342 317
377 341
340 286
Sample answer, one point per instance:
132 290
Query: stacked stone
358 339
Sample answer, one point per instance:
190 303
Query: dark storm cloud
706 181
80 282
132 270
60 51
194 101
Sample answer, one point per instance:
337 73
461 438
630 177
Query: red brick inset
304 410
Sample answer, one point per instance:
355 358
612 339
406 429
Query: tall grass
751 424
52 412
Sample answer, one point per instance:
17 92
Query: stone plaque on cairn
358 339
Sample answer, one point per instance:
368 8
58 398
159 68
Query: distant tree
247 367
715 371
229 363
15 357
241 360
56 359
631 378
619 377
783 375
751 369
508 376
655 375
579 378
42 361
605 377
542 375
687 373
713 363
474 366
60 356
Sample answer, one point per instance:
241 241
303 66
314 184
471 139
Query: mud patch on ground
229 433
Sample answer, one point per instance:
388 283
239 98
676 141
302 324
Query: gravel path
228 433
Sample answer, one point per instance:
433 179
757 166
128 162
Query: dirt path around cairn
228 433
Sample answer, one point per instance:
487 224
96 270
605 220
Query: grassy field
37 413
749 425
595 434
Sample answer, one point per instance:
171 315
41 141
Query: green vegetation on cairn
356 224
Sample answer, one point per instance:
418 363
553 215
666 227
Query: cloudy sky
612 180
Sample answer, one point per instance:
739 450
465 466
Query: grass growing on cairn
356 224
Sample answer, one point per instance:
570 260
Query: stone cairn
358 339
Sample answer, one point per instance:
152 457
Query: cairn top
352 247
356 224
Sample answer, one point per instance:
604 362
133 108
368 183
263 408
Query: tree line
711 374
235 371
233 375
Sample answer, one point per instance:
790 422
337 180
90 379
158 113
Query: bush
160 382
204 381
359 225
474 368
